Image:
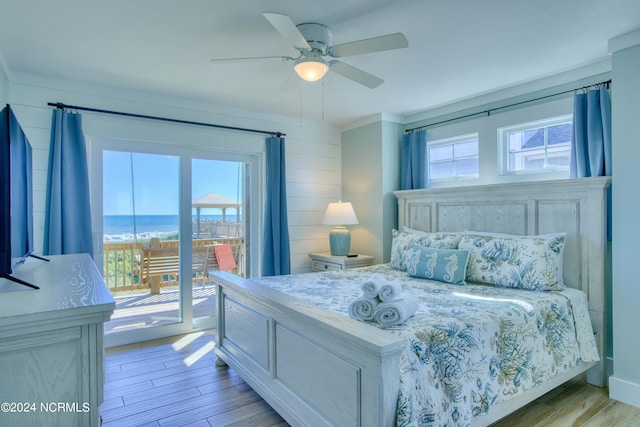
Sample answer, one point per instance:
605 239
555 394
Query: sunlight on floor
199 354
186 340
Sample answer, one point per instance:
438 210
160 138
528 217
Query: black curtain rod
489 111
164 119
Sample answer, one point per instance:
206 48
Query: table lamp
340 214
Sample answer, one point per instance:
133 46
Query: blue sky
156 186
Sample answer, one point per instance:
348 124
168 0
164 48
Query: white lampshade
311 69
340 213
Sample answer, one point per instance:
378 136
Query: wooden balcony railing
123 263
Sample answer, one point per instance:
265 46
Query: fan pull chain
323 100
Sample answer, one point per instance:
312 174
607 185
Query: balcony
144 279
124 262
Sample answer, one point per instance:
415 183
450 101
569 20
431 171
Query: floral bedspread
468 347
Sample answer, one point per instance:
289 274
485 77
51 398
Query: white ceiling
457 48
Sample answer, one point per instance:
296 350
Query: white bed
316 367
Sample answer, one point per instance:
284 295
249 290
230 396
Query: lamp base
340 241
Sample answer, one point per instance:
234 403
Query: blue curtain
591 142
413 171
67 223
275 243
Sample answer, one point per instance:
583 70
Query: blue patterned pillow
403 241
512 261
444 265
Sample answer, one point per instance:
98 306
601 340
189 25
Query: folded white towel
390 291
362 307
371 287
395 312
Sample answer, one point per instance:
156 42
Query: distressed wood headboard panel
577 207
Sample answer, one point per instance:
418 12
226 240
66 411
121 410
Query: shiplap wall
313 149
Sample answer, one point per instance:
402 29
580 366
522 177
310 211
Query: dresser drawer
325 266
324 261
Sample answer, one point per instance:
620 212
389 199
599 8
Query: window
543 146
452 158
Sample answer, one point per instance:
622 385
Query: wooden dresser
51 343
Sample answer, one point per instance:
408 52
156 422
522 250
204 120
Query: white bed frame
315 367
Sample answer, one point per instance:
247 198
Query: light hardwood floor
175 382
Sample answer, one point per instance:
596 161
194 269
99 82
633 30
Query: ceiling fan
313 41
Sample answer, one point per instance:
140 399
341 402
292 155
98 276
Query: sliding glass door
167 217
219 221
140 235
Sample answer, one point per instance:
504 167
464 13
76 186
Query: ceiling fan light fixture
311 69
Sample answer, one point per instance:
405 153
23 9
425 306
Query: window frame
452 141
253 199
503 145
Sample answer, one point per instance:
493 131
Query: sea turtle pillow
512 261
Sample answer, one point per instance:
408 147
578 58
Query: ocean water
120 228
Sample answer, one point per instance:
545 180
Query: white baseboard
624 391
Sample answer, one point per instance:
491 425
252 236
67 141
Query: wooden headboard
577 207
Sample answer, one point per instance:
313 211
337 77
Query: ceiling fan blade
288 29
251 58
355 74
375 44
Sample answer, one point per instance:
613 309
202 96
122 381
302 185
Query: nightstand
324 261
